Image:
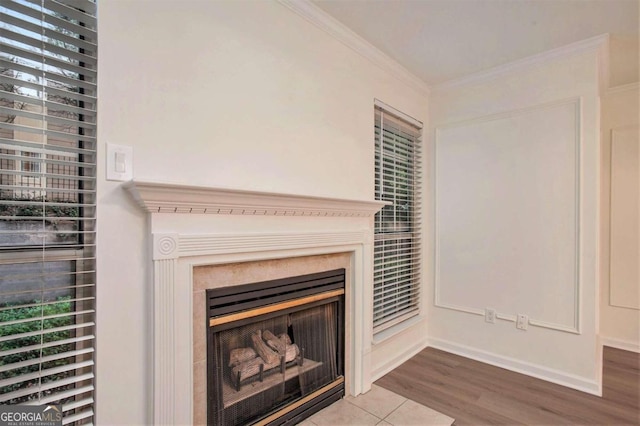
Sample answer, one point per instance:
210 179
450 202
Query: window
30 166
47 204
396 293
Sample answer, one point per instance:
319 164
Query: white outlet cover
522 322
490 315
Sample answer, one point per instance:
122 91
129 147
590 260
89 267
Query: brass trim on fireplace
273 308
300 402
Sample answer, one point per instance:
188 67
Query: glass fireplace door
264 364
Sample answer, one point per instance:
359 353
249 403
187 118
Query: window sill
394 330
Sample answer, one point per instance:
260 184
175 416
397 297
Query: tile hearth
378 407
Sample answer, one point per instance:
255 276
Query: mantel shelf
157 197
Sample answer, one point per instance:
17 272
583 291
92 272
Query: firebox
275 349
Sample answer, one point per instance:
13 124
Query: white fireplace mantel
156 197
181 240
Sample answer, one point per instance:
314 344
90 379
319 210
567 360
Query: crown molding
158 197
346 36
622 88
600 42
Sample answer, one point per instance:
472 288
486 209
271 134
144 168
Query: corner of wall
576 71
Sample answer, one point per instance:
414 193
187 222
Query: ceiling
441 40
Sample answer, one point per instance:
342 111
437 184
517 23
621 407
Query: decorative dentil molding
346 36
157 197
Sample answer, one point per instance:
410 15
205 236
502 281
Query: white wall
619 313
624 60
501 117
233 94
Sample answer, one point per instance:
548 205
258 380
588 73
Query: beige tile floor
377 407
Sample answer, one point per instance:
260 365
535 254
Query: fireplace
203 237
275 349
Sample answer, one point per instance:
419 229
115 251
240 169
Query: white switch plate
119 162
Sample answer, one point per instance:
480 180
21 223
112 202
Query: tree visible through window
47 204
397 226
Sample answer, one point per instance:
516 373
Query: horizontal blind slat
44 373
31 305
48 75
31 348
76 326
25 320
37 14
77 404
66 394
61 121
36 103
48 32
388 297
41 45
382 294
45 386
70 12
48 132
51 61
46 359
394 319
77 416
47 149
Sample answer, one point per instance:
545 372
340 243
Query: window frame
397 227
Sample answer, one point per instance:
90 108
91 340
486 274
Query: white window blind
48 71
397 254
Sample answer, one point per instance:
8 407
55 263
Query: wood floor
475 393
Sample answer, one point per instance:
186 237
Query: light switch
119 162
121 166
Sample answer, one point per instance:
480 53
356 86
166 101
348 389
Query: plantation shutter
396 295
47 204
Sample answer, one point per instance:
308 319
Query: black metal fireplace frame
225 302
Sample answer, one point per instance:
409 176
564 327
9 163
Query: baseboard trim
396 361
625 345
550 375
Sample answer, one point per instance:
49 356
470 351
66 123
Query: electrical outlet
490 315
522 322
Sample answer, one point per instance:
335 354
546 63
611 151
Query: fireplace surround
195 229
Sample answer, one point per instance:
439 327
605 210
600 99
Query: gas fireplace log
263 349
241 355
277 343
292 352
274 343
248 369
285 338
